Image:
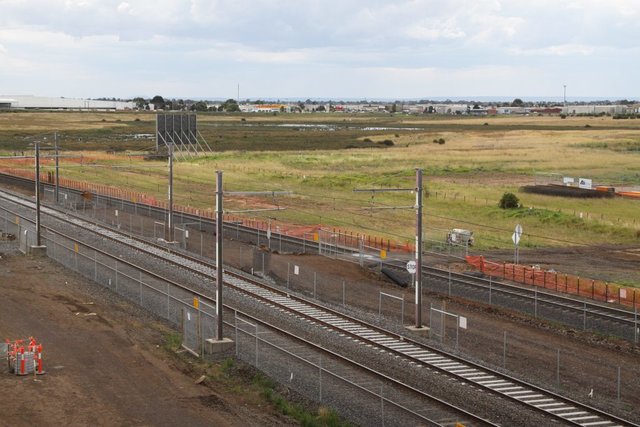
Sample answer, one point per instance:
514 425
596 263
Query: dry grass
473 168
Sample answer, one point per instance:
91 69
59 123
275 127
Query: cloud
127 41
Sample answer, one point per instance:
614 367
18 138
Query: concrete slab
37 251
217 348
424 330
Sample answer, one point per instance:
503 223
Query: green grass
323 417
464 178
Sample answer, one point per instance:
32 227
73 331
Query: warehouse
48 103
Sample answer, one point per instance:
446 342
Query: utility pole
565 96
38 194
55 143
169 235
418 255
418 248
219 241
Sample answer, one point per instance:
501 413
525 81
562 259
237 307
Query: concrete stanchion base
214 347
424 330
37 251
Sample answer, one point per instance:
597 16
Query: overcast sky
320 48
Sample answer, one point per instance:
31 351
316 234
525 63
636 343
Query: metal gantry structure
418 190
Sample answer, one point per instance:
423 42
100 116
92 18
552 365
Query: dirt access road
104 358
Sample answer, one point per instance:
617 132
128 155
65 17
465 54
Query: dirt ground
105 360
612 263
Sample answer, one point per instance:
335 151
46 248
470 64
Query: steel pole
170 219
219 240
418 248
55 142
37 194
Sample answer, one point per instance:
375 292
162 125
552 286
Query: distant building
47 103
6 103
595 109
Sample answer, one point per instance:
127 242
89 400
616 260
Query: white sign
516 234
411 267
567 180
516 238
186 234
462 321
623 293
584 183
269 233
116 212
296 270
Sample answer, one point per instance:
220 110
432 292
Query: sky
326 49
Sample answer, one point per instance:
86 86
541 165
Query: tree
230 105
517 103
141 103
509 201
199 106
158 102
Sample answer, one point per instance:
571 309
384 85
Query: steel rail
516 390
544 295
209 299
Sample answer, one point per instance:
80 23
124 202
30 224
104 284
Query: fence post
635 321
535 302
382 403
584 321
288 266
504 351
558 369
618 383
320 375
489 289
314 283
343 294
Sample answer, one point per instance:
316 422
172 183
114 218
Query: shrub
509 201
367 140
387 142
563 116
441 141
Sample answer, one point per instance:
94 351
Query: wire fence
300 366
176 304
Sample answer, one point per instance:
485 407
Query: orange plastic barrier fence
588 288
344 237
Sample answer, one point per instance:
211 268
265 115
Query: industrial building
47 103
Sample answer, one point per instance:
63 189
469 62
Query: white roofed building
48 103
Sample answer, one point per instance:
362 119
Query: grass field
480 160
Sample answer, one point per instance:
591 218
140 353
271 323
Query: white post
219 260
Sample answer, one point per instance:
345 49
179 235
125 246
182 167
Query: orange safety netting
344 237
588 288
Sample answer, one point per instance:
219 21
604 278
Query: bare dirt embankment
105 359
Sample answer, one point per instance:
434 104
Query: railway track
575 312
415 353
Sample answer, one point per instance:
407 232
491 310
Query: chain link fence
358 394
170 303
